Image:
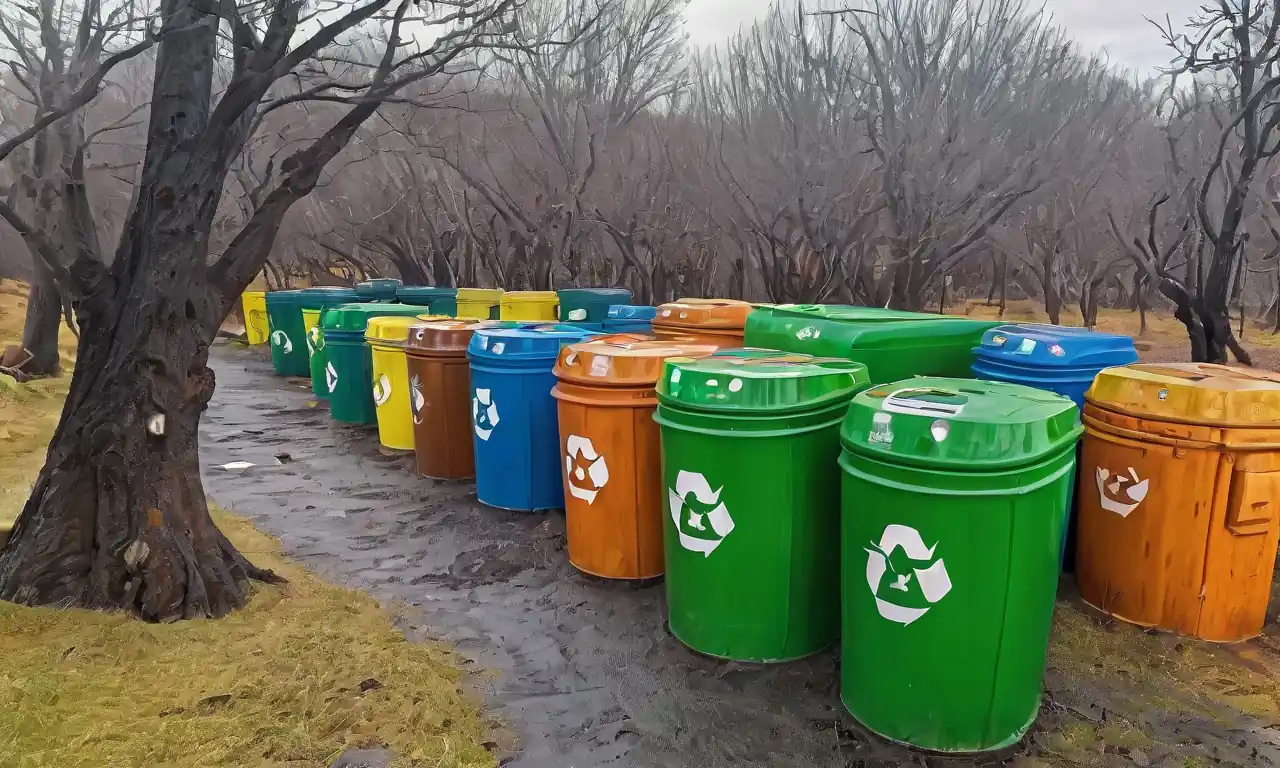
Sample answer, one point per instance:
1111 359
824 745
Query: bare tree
117 518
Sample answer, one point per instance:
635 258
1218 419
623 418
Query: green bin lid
959 423
850 313
355 317
750 379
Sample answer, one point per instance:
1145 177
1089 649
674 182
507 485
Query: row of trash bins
803 475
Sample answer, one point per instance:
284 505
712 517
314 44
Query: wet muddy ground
584 673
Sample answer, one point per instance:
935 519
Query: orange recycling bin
1179 484
715 321
440 397
612 459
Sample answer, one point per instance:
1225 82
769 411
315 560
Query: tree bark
43 321
117 518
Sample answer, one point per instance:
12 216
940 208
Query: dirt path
588 674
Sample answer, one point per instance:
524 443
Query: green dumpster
288 339
954 506
348 372
892 344
750 440
441 300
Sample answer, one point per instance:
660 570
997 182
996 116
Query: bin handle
896 403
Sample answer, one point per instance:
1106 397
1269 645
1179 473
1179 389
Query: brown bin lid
1191 393
693 314
623 359
447 337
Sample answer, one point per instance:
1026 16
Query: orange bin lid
725 314
1190 393
623 359
443 337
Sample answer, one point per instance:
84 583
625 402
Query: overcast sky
1116 26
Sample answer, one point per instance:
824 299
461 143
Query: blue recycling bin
513 415
1052 357
629 318
1059 359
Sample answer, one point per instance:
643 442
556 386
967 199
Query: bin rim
525 297
665 411
623 360
938 413
1045 460
1164 392
758 381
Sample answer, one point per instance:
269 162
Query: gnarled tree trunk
117 518
42 323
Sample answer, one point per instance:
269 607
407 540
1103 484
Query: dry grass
304 671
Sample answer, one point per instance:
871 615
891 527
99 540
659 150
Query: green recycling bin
751 520
954 504
892 344
441 300
288 339
348 372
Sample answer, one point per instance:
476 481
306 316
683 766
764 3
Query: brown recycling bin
1179 486
440 397
612 460
714 321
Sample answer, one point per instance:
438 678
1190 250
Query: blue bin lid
534 342
632 312
1054 346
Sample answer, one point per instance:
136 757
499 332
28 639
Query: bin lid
444 336
623 359
525 341
850 313
750 379
1053 346
379 288
327 296
355 317
480 294
541 297
639 313
1191 393
576 295
393 330
284 297
424 293
703 313
956 423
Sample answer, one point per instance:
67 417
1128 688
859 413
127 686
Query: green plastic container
954 506
286 333
893 345
348 372
378 289
441 301
750 440
590 305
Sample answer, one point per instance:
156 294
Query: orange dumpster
1179 482
440 397
612 460
715 321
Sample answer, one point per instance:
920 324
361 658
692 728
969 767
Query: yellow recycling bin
531 305
311 324
255 316
479 303
386 338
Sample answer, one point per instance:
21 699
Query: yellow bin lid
541 297
491 295
393 330
1190 393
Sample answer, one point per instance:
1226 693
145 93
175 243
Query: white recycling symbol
484 413
331 376
281 339
416 400
382 390
1110 485
584 468
315 341
701 519
931 582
